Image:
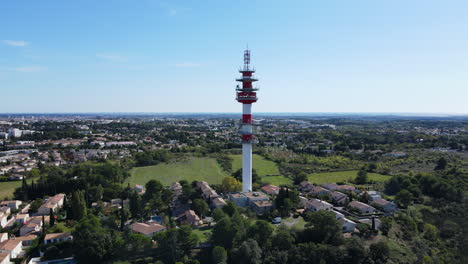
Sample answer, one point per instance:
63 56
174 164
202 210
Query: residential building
271 189
26 240
330 186
14 204
12 247
218 202
3 220
148 230
373 195
346 188
55 202
339 198
5 258
362 207
305 186
347 225
260 207
14 132
5 210
315 205
189 217
317 190
386 206
3 237
57 237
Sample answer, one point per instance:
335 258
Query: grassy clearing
193 169
295 223
7 188
203 234
267 170
343 176
261 165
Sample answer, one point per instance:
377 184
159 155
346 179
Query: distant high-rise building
246 95
14 132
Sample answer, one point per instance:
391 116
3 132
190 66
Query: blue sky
183 56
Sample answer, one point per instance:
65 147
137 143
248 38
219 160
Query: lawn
261 165
267 170
193 169
343 176
295 223
203 234
7 188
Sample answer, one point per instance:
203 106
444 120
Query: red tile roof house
4 258
53 203
271 189
148 230
14 205
315 205
12 247
5 210
218 202
387 206
3 220
305 186
57 237
346 188
317 190
26 240
339 198
330 186
362 207
3 237
189 217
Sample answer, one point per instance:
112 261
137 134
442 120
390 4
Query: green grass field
343 176
261 165
7 188
267 170
193 169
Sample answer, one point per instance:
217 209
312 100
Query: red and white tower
246 95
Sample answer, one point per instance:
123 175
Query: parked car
277 220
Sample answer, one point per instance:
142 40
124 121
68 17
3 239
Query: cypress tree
52 217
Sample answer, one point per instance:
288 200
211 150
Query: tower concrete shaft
247 96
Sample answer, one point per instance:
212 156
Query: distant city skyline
153 56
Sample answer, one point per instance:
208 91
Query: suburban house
148 230
386 206
189 217
22 218
271 189
55 202
330 186
5 210
14 204
373 195
346 188
218 202
3 220
3 237
33 225
305 186
12 247
339 198
362 207
303 201
26 240
348 225
315 205
4 258
57 237
207 192
317 190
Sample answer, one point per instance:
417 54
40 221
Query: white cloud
30 69
112 57
187 64
15 43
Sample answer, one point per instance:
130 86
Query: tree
300 177
441 164
322 228
283 239
219 255
249 252
356 252
404 198
52 217
261 231
379 252
230 184
361 177
78 205
92 243
200 207
135 205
